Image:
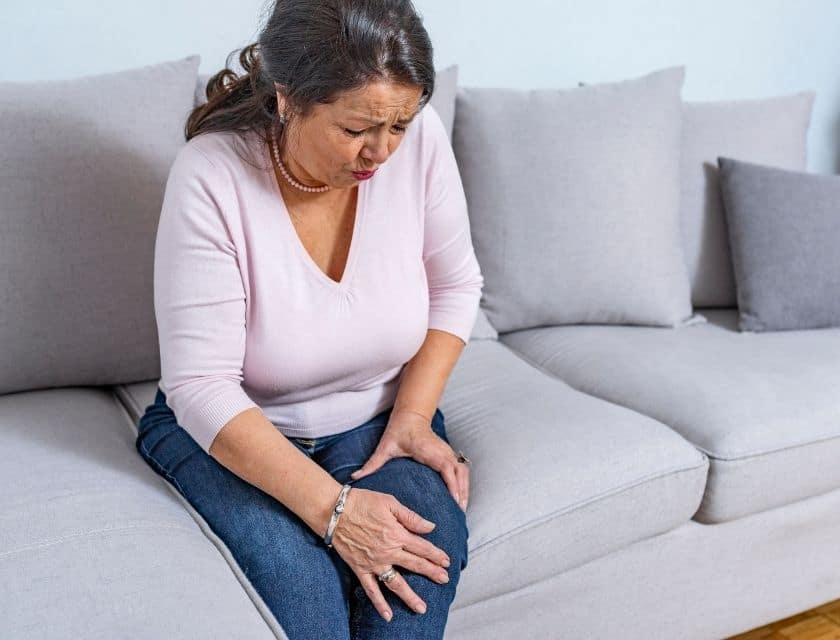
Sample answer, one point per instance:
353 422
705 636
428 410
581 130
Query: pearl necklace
289 178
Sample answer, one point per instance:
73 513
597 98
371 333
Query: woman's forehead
379 102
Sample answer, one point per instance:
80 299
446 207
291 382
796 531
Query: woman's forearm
251 447
426 374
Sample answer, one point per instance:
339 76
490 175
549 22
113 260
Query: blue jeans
312 592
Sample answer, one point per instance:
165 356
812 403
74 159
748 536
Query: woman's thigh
304 583
423 490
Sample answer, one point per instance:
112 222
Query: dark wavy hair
315 50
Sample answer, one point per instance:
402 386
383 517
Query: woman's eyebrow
370 120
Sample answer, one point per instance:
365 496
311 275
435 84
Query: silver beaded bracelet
337 511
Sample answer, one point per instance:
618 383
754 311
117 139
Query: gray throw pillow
83 166
784 230
771 131
574 199
443 101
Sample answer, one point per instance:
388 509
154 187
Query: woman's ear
281 98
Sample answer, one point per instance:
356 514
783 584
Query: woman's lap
308 586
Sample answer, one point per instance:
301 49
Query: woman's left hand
411 435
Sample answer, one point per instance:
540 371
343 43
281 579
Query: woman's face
358 132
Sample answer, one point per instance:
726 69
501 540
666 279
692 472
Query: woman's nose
378 152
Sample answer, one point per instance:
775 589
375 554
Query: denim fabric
312 592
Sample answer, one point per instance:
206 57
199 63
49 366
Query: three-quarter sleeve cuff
455 314
205 419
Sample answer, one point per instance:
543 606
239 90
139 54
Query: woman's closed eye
355 134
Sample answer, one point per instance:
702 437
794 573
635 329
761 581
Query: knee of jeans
451 532
430 497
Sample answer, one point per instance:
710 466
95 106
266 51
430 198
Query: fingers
399 586
456 475
447 472
463 473
370 584
422 566
457 479
424 548
411 520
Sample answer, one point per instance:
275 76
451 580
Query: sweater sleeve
199 301
453 273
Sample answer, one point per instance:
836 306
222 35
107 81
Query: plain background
731 49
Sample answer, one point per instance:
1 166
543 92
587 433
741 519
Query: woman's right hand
375 532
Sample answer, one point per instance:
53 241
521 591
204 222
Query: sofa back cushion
574 201
83 167
770 131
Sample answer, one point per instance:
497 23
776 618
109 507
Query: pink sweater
247 319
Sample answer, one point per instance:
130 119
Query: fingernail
421 608
446 562
388 616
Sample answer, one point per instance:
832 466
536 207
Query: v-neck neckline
300 249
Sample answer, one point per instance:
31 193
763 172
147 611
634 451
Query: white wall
731 48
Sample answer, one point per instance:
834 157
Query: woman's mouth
363 175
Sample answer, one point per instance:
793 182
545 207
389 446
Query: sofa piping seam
83 534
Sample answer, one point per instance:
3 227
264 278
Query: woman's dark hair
315 50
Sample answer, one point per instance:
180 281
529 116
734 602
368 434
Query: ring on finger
387 576
463 458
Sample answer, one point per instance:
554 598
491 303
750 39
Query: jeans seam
183 460
150 451
157 466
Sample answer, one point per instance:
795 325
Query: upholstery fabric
784 231
764 407
770 131
576 220
83 166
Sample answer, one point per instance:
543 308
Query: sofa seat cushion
92 544
557 477
764 407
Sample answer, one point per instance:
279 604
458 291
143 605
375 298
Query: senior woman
314 286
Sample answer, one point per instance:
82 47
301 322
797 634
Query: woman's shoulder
219 146
224 153
432 121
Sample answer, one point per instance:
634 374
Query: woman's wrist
326 501
338 509
409 415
